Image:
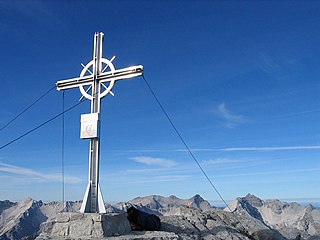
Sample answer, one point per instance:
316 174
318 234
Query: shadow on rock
268 234
141 221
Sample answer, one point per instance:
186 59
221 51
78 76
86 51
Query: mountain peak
252 200
170 205
173 197
197 198
310 207
198 202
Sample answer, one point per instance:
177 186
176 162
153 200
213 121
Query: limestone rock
22 220
289 220
189 219
77 225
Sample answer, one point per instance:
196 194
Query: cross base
89 200
90 225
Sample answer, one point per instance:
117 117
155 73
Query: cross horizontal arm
124 73
74 82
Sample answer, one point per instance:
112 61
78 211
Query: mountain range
246 217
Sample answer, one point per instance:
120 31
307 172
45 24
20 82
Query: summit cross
92 85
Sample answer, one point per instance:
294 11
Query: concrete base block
79 225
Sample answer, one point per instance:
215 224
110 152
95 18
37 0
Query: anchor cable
189 150
26 109
41 125
62 151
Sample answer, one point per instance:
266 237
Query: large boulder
141 221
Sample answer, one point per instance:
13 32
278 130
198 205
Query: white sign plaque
89 125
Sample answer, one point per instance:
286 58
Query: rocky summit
291 220
245 218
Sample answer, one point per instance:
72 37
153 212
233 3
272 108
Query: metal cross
92 86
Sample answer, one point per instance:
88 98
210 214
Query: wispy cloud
159 179
230 119
234 149
29 173
285 148
144 170
222 161
149 175
162 162
137 151
279 172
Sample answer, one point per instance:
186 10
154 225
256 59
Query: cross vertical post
94 202
90 123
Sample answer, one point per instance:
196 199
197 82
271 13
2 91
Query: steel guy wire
46 122
41 125
189 150
26 109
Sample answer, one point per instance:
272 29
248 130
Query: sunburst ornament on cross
96 81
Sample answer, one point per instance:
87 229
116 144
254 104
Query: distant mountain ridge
290 219
5 205
163 206
192 218
24 219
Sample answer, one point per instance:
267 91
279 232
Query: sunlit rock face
290 219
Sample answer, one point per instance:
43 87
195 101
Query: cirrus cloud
230 119
162 162
32 174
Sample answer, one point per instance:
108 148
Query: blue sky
240 80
